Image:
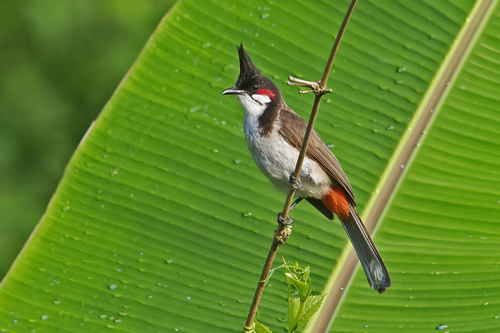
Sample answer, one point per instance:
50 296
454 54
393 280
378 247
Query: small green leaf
309 308
293 311
312 304
304 288
261 328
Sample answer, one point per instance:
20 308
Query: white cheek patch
253 106
262 99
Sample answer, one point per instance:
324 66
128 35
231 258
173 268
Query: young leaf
312 304
293 310
299 277
261 328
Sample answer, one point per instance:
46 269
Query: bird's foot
283 222
295 182
314 85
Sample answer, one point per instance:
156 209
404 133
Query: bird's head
254 90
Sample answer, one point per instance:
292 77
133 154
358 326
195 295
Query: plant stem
297 318
282 233
317 101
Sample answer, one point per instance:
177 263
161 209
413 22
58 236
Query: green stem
299 314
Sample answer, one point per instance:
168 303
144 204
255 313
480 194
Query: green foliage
261 328
300 309
300 279
309 308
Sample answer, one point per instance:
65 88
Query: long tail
375 270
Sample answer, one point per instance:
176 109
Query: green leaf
162 222
311 306
304 288
293 312
261 328
299 278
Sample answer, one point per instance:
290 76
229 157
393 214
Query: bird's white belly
277 160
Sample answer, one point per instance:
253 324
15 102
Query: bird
274 134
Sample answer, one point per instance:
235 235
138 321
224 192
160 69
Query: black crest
247 68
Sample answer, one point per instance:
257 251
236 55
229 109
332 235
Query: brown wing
317 149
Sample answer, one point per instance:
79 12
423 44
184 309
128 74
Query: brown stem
317 100
336 43
282 233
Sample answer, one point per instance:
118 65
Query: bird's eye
255 87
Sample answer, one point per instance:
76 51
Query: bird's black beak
233 91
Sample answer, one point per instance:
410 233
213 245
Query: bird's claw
295 182
314 85
283 222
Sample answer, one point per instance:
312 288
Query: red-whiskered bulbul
274 135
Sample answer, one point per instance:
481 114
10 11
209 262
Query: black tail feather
375 270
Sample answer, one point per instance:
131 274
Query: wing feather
293 128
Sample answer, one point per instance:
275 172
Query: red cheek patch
266 92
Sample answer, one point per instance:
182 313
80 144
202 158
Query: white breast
277 159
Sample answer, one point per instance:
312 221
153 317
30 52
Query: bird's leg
295 203
295 183
281 219
314 85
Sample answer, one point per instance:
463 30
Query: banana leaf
162 222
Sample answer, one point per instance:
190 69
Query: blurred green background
60 61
